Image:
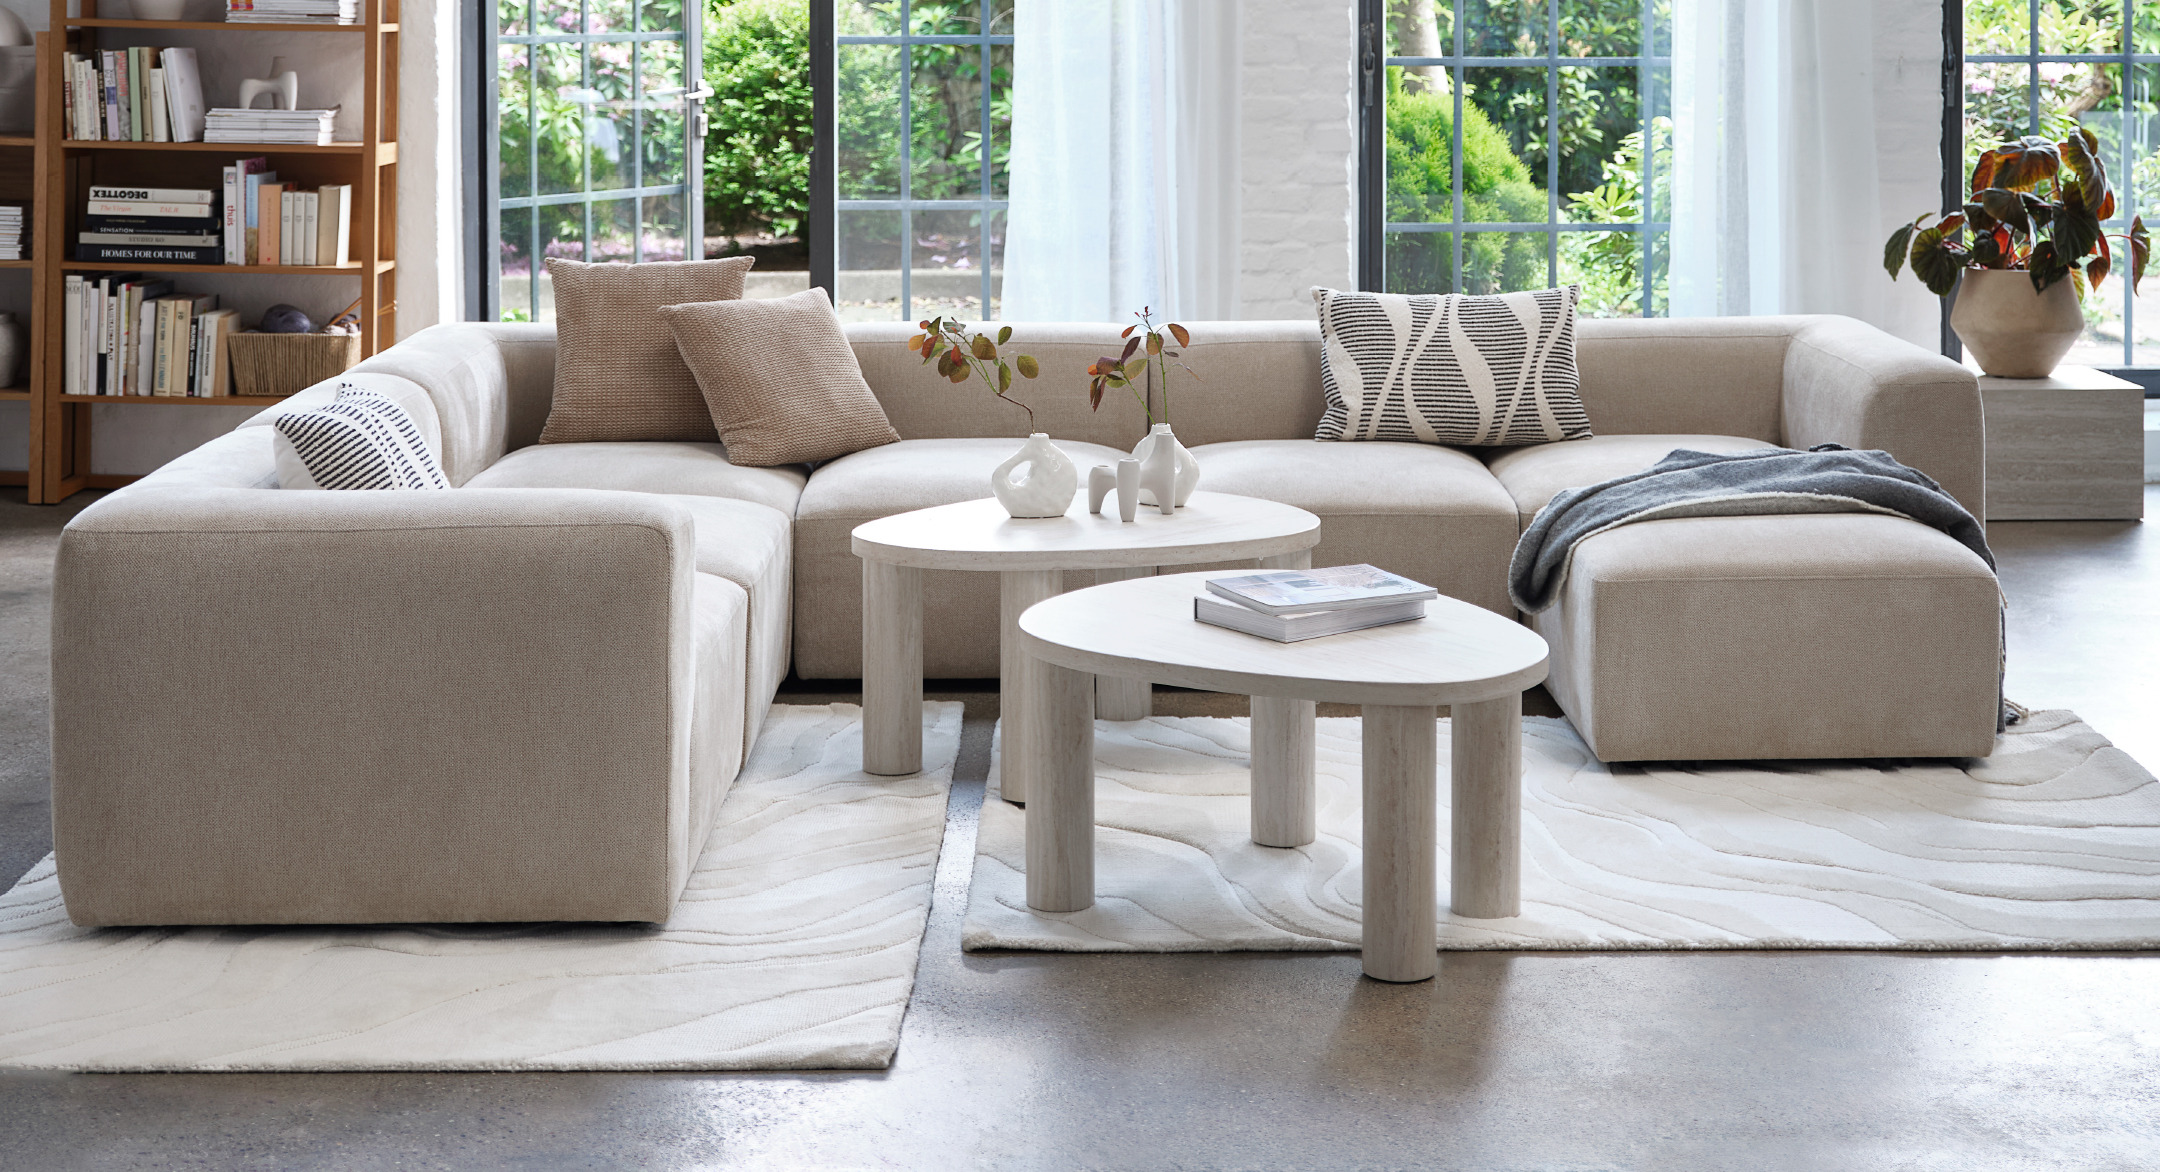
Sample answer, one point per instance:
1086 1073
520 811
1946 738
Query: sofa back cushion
1703 375
461 367
1250 380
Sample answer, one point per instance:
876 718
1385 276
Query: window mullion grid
1552 143
637 135
1455 161
907 160
2032 67
2129 174
534 265
585 100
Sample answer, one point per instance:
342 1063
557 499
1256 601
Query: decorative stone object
283 85
2012 331
11 350
1128 489
1188 468
1047 486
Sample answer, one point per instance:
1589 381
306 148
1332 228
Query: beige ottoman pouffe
1807 636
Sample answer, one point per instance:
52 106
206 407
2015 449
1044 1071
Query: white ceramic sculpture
1160 474
1188 468
1128 488
1101 479
13 32
1045 488
283 85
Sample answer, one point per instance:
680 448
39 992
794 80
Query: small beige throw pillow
780 378
617 373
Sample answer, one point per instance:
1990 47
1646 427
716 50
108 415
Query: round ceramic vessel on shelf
2012 331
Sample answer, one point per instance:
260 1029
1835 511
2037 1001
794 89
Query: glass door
598 119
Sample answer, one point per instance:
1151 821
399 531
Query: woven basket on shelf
277 365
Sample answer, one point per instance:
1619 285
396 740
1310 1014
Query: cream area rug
2051 843
793 947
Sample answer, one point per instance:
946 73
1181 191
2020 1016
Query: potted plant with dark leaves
2037 248
1038 480
1142 367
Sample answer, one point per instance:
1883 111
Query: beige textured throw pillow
781 379
617 373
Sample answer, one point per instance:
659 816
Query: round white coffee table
1459 655
1031 556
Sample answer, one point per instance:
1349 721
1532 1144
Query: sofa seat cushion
751 546
1796 636
1533 476
960 609
684 469
1420 510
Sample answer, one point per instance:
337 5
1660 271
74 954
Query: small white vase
1045 488
1188 468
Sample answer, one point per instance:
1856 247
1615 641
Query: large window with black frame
1519 144
2054 67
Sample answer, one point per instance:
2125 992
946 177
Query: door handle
694 100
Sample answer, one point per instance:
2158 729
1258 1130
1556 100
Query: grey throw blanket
1824 479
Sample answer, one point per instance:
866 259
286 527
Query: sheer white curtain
1779 155
1124 173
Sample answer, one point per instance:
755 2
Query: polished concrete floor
1508 1061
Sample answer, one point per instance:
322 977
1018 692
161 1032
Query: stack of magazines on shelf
292 11
151 225
132 334
141 94
11 231
1290 605
301 127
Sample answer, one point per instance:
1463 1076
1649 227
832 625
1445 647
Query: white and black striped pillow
1471 371
361 439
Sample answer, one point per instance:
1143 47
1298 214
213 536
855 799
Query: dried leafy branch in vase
2014 228
1131 367
960 355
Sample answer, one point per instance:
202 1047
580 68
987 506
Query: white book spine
71 329
231 212
312 206
146 321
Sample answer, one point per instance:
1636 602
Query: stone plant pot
2012 331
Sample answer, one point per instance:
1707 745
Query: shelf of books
162 198
18 289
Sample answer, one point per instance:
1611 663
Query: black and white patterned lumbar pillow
1471 371
361 439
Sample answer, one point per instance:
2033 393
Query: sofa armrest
480 387
458 706
1848 383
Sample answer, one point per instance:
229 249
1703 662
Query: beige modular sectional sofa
524 698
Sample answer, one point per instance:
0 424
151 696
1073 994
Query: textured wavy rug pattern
2051 843
793 947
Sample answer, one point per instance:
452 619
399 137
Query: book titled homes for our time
1291 605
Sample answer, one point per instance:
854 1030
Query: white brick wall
1298 154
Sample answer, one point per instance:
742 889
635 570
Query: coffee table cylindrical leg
1401 792
1061 807
1297 560
1017 591
1485 848
892 669
1282 771
1121 697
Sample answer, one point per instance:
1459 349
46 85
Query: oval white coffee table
1459 655
1031 556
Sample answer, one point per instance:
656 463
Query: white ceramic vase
1037 481
1188 468
12 350
2012 331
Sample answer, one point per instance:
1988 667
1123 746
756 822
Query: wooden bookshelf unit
60 433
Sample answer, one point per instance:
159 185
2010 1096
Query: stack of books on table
11 231
142 94
130 334
292 11
152 225
299 127
1290 605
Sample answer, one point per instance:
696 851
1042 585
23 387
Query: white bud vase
1188 468
1045 488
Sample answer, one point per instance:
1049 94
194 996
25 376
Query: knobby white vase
2012 331
1188 468
1037 481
